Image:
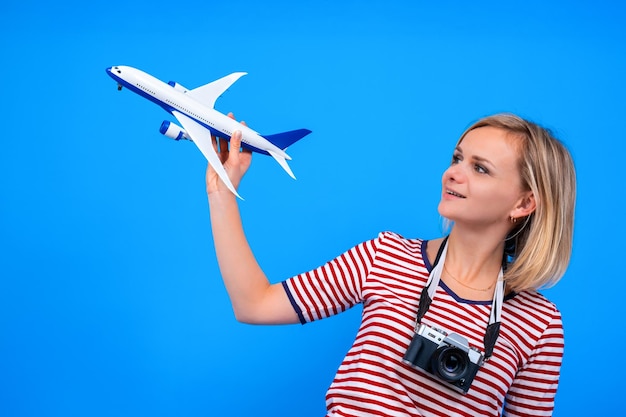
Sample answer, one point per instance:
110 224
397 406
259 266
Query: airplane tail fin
285 139
283 163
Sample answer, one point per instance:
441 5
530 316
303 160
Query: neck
474 260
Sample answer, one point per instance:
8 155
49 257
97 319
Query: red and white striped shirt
386 275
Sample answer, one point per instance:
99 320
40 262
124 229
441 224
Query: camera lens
450 363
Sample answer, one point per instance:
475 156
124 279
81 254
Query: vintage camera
447 356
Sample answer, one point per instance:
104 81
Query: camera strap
428 293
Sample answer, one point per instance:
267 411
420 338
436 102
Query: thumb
235 144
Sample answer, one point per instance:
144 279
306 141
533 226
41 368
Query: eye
456 158
480 169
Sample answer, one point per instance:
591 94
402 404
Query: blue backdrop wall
111 303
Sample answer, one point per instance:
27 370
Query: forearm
244 280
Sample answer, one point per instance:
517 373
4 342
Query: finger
235 144
223 149
232 116
214 143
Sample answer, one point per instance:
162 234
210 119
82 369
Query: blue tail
285 139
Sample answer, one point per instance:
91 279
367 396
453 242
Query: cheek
494 193
500 199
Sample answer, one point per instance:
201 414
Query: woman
509 195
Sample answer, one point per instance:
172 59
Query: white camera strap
428 294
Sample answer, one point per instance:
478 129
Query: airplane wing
202 138
209 93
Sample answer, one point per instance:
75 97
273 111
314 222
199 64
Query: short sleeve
333 287
534 387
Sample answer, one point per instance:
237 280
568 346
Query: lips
454 193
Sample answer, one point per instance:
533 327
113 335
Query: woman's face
482 186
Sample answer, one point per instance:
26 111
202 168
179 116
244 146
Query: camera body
447 356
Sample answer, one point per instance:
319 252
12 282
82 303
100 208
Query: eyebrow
477 158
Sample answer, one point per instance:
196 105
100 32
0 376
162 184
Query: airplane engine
173 131
177 86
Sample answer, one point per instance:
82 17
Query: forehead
491 143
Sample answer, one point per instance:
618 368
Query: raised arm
253 298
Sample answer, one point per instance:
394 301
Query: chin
445 212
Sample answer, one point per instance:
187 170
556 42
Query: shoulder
392 240
393 248
425 248
533 311
533 301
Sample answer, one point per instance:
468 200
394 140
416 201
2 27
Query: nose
113 70
455 173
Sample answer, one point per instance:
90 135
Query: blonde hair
539 247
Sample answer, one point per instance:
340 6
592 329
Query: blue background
111 303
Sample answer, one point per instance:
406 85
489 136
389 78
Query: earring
513 219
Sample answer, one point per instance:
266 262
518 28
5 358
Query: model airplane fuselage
194 110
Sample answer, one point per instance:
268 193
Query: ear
525 206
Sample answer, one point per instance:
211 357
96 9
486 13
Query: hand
236 161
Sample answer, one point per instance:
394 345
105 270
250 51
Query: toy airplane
194 110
